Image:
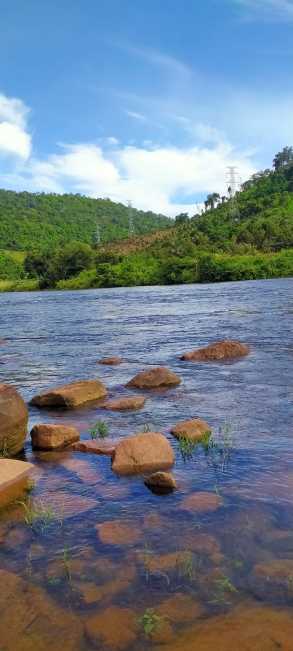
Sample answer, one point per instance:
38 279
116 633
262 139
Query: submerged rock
155 378
14 476
193 430
110 361
161 482
201 502
118 532
95 447
125 404
113 628
72 395
13 420
218 351
52 437
273 580
141 453
180 608
30 621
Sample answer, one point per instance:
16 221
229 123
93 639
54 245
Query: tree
182 218
212 200
74 258
283 158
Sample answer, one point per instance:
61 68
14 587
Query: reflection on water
90 560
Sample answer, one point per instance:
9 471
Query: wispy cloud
267 9
136 116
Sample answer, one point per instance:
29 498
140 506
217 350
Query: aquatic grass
66 557
150 622
188 565
186 447
99 430
30 486
39 516
223 587
4 452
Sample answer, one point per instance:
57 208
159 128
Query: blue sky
143 100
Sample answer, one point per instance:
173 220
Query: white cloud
136 116
15 139
274 9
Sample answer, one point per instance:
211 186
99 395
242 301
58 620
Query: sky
140 100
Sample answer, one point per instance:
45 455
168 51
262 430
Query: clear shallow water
53 338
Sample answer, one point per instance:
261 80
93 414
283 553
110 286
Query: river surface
168 574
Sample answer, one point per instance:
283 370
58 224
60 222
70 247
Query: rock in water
193 430
160 482
52 437
143 453
72 395
14 476
221 350
125 404
95 447
111 361
155 378
13 420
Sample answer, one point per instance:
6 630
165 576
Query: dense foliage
243 237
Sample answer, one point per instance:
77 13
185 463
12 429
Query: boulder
201 502
155 378
193 430
72 395
221 350
13 420
145 452
125 404
14 477
113 628
160 482
95 447
52 437
110 361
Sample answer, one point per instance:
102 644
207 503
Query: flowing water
166 573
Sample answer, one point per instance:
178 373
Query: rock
95 592
180 609
65 504
193 430
111 361
162 633
113 628
125 404
52 437
221 350
84 469
95 447
145 452
250 627
118 532
158 563
13 420
72 395
161 482
201 502
31 621
273 580
155 378
14 477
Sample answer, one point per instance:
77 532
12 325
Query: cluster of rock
146 453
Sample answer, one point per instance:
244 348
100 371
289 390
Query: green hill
45 221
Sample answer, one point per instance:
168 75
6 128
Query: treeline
43 222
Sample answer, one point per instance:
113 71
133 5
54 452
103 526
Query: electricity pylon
233 183
130 219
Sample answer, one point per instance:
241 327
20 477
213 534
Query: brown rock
65 504
114 628
72 395
155 378
95 447
13 420
163 562
52 437
201 502
250 627
144 452
14 477
218 351
193 430
93 593
162 633
118 532
125 404
180 609
110 361
273 580
161 482
84 469
31 621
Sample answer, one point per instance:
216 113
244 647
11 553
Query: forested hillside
246 236
45 221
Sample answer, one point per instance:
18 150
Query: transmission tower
130 219
233 184
97 235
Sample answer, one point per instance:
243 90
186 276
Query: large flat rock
14 475
145 452
71 396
